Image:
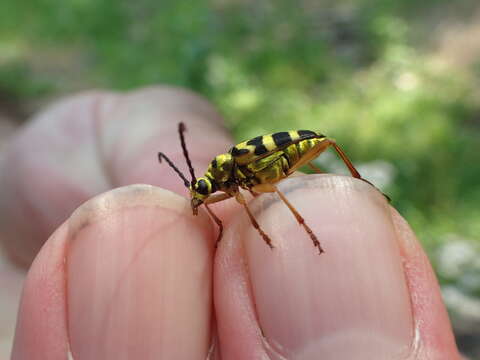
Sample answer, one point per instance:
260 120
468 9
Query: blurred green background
396 83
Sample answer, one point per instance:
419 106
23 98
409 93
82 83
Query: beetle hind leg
352 169
315 168
315 151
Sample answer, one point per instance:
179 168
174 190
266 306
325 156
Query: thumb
371 295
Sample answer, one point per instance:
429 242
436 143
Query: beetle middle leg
254 222
272 188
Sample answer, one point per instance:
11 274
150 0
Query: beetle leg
316 150
218 222
319 148
300 219
350 166
263 188
216 198
211 200
345 159
254 222
315 168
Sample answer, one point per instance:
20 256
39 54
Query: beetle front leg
211 200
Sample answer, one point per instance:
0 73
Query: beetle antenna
162 155
181 130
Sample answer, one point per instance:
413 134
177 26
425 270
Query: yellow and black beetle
256 165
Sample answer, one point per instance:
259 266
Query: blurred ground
396 83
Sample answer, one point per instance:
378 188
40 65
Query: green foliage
17 80
347 68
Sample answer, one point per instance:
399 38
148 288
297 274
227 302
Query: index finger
92 142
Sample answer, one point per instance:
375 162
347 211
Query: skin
130 273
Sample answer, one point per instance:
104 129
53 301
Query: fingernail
139 273
352 301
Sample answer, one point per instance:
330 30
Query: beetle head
199 191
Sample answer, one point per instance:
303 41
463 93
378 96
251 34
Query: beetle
256 165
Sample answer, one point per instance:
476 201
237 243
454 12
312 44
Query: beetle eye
202 187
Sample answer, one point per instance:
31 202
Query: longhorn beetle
256 165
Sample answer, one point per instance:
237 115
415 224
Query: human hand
132 274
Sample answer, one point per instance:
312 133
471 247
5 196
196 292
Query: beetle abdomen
295 152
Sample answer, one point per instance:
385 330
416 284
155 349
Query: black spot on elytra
238 152
260 150
214 163
256 141
281 138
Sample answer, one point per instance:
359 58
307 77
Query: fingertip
41 330
139 260
128 273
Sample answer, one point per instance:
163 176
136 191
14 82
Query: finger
128 276
90 143
371 295
147 122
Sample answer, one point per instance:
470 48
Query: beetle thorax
220 169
